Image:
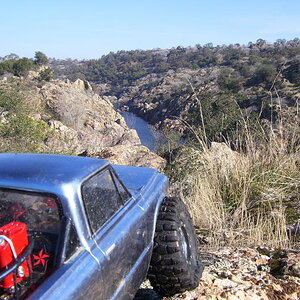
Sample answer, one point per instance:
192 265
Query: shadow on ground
146 294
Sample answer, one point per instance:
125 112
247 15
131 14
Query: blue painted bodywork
112 263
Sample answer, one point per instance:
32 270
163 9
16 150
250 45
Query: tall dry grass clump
245 197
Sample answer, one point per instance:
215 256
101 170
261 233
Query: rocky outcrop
80 122
85 119
94 128
162 99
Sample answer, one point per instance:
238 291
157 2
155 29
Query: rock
86 120
294 230
261 261
142 97
292 264
35 74
82 85
137 155
224 284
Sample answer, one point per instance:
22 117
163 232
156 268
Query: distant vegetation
19 132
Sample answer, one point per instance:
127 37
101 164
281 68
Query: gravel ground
241 274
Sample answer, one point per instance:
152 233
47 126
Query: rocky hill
69 118
170 87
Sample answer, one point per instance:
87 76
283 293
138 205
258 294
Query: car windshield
39 212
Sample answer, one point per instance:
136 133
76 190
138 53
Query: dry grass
244 197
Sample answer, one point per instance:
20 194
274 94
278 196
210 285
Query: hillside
68 118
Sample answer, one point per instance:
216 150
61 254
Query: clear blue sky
90 28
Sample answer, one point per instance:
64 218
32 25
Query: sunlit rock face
93 118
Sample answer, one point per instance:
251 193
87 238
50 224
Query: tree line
257 62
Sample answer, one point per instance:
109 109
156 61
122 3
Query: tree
45 75
208 45
22 66
40 58
6 66
261 42
229 80
265 74
11 56
280 42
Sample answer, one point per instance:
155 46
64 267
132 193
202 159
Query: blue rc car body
80 228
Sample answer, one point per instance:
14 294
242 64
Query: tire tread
169 272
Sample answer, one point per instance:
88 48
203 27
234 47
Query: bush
45 75
230 80
11 101
292 72
220 116
40 58
22 66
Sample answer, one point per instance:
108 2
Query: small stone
240 294
233 297
261 261
277 287
208 278
224 283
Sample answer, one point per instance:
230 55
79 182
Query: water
148 135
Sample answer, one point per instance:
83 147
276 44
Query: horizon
153 49
69 29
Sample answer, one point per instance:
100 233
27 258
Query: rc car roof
45 171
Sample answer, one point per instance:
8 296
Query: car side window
101 198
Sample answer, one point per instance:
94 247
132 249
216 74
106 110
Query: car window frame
116 178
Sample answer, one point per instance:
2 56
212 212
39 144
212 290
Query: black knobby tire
175 264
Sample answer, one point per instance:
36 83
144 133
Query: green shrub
22 66
18 131
11 101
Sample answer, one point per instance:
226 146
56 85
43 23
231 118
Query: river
148 135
